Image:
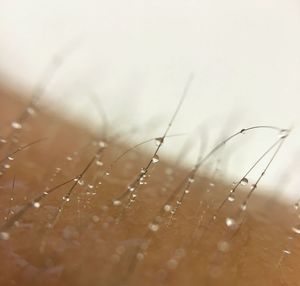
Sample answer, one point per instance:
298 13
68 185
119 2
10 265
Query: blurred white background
137 55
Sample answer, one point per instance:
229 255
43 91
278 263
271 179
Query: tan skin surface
86 240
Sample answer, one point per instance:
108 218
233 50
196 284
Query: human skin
75 235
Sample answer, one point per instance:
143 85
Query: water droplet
223 246
99 163
90 186
231 223
10 158
178 203
231 198
4 236
155 159
153 227
283 133
67 199
107 173
36 205
130 189
244 206
16 125
244 181
191 180
159 141
95 218
81 182
296 206
117 203
143 171
102 144
69 158
296 229
3 141
6 166
211 184
285 251
30 110
186 191
167 208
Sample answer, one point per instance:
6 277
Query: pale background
136 57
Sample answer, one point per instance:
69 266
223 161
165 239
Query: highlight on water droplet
16 125
117 203
4 235
244 181
296 229
159 141
231 223
155 159
231 197
153 227
167 208
36 205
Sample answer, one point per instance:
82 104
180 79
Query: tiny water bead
231 223
296 229
155 159
191 180
36 205
153 227
167 208
244 181
16 125
159 141
69 158
231 197
99 163
186 191
223 246
10 158
117 203
6 166
4 236
244 206
66 199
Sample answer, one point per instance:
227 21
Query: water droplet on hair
153 227
285 251
117 203
167 208
244 181
4 235
16 125
231 198
186 191
223 246
191 180
30 110
107 173
69 158
159 141
81 182
231 223
130 188
155 159
36 205
296 229
67 199
10 158
244 206
3 141
95 218
6 166
99 163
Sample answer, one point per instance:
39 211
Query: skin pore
75 212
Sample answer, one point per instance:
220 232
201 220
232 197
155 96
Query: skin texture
86 240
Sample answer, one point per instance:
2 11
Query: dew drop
159 141
296 229
167 208
95 218
4 236
30 110
231 198
117 203
223 246
244 181
153 227
155 159
231 223
36 205
244 206
16 125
